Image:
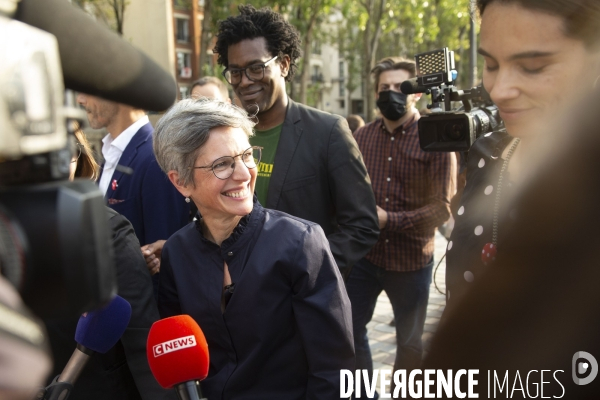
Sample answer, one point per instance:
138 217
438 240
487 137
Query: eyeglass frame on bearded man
262 66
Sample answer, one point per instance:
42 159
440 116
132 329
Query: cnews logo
174 345
584 364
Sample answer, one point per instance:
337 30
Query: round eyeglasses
254 72
223 167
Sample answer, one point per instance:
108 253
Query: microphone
97 332
411 86
178 355
96 60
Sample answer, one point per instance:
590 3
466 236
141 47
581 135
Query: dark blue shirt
286 331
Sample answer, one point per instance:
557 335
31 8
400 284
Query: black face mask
392 104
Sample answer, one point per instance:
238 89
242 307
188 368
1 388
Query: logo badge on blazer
114 184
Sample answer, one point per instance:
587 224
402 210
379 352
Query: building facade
329 76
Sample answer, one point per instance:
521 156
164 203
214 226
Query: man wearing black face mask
412 191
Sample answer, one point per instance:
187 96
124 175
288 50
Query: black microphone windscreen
411 86
96 60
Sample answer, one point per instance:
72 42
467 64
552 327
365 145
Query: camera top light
432 62
435 67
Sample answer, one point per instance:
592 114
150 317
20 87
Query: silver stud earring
187 199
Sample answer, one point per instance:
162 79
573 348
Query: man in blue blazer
131 180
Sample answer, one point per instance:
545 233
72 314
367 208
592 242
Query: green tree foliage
369 31
419 26
110 12
311 18
404 28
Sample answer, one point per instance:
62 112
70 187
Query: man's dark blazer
320 176
123 372
142 192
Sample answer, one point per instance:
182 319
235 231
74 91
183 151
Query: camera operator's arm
441 181
168 296
135 286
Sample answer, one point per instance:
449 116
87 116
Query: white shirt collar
121 141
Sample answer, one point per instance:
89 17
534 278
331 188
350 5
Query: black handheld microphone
411 86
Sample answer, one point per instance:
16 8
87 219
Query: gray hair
185 128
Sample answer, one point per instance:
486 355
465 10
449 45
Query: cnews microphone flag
177 351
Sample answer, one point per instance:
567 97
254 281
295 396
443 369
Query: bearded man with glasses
311 166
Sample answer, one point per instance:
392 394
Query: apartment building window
184 64
357 107
341 80
316 47
316 75
183 30
181 3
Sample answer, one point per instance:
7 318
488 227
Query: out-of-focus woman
540 55
262 285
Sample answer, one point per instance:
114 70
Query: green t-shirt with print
268 140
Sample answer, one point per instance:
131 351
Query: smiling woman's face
532 69
223 198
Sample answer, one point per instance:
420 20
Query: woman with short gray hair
184 129
262 285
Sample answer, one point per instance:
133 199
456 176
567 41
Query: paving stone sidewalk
382 336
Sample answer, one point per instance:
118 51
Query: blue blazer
142 192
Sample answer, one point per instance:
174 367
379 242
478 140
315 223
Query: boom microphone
178 355
97 332
411 86
96 60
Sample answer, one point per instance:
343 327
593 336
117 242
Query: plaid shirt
413 186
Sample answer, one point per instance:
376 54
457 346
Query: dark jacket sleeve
168 298
135 286
323 315
354 201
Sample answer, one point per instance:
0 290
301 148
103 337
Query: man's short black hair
281 37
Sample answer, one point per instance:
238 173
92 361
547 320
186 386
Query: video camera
446 129
55 242
55 246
